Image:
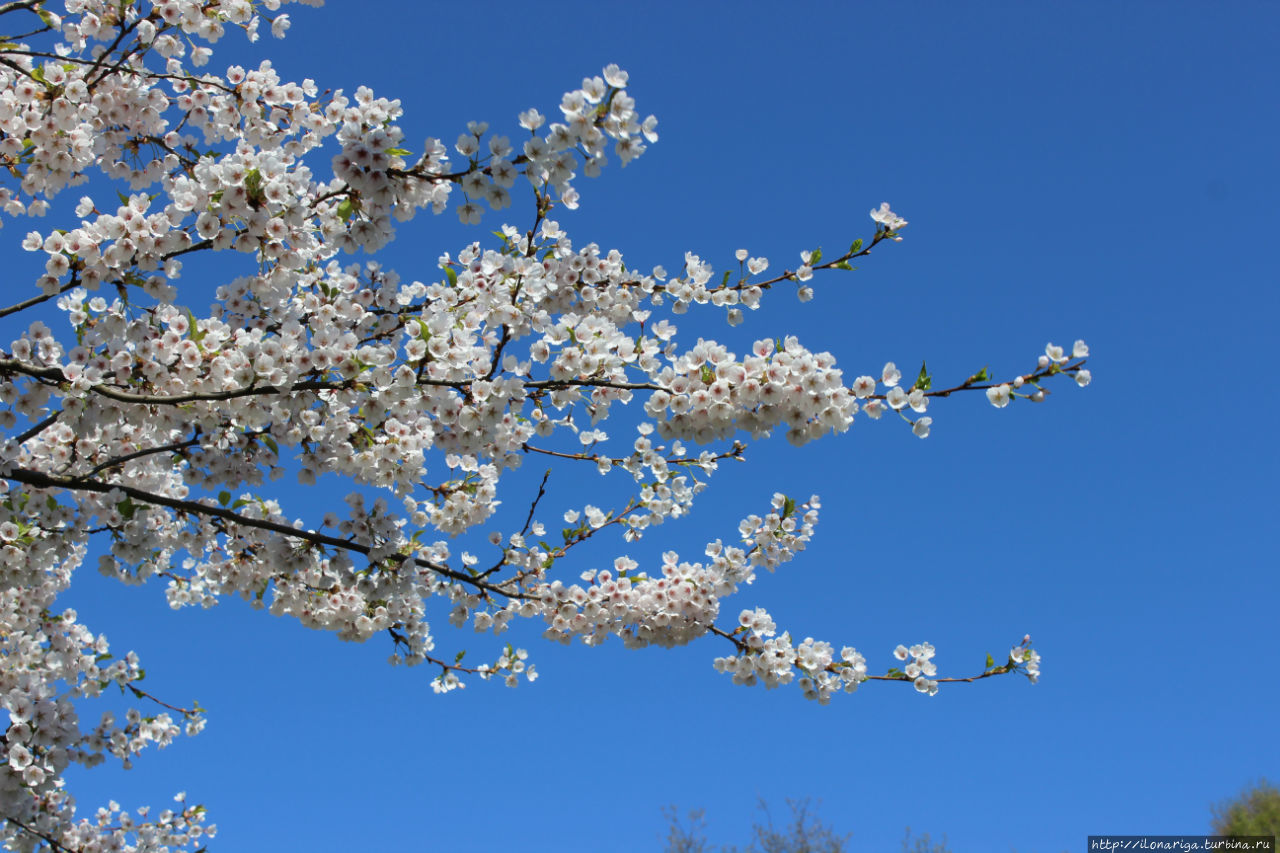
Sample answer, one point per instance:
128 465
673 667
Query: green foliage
924 381
1256 811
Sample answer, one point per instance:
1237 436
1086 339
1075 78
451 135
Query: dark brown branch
593 383
38 834
54 374
75 281
36 300
22 36
40 480
142 694
36 429
1040 373
138 454
998 670
125 31
542 490
16 5
141 72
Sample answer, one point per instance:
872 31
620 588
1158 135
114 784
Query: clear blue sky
1078 170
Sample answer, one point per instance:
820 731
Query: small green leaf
815 256
253 186
845 265
788 507
708 375
725 279
224 498
981 376
196 334
855 247
398 152
990 662
924 380
452 276
346 209
459 656
271 442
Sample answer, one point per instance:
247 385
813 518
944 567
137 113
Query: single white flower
886 217
615 76
531 119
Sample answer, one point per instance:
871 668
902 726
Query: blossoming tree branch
144 432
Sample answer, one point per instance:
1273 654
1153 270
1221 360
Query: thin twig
542 490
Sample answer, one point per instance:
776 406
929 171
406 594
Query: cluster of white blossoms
1049 363
682 602
921 666
143 433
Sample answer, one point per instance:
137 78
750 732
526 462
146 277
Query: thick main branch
40 480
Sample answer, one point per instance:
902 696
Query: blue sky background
1085 170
